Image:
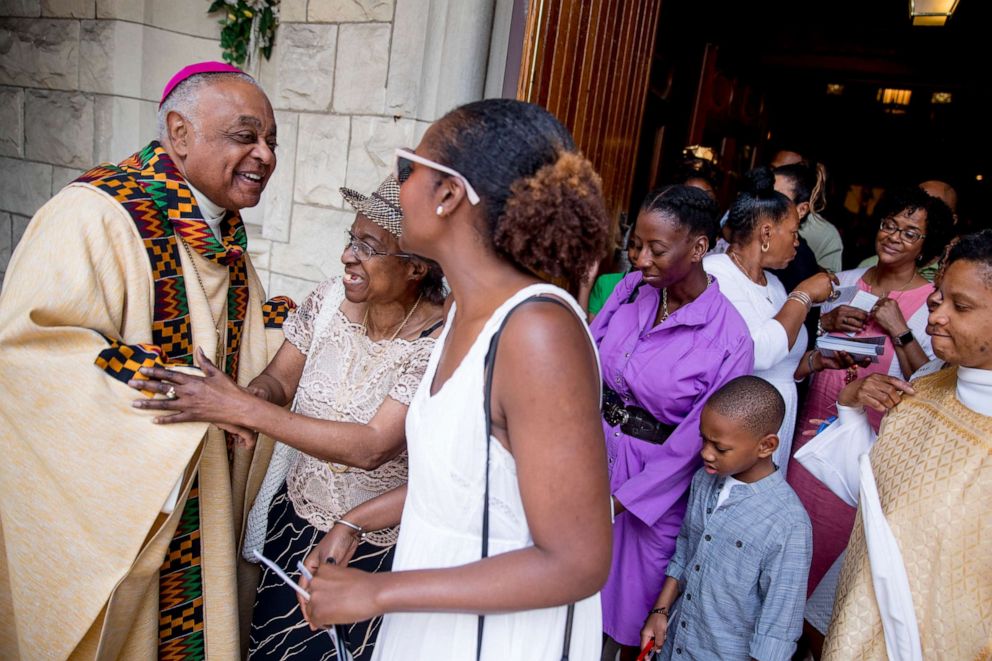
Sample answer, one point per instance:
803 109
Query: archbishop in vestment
119 535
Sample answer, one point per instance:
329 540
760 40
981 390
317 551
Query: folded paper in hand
863 300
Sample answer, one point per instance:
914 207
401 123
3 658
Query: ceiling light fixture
894 101
894 97
931 12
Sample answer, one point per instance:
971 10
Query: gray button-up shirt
742 570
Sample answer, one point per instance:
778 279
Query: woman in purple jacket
667 339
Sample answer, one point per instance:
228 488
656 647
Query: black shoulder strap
490 368
427 331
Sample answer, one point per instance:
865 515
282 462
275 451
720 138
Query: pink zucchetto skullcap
194 69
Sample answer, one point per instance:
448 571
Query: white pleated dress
442 520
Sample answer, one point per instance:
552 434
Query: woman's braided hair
759 200
688 206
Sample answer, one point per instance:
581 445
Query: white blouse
774 360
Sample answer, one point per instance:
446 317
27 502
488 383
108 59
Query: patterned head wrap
381 207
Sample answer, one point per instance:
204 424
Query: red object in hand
647 650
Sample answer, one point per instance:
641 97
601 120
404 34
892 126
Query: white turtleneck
212 213
974 389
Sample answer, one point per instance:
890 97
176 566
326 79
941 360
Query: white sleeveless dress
442 520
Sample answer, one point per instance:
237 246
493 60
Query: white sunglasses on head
404 159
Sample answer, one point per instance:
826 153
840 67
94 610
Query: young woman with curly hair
495 193
667 339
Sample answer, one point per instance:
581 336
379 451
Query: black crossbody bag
489 368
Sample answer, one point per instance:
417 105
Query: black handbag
489 364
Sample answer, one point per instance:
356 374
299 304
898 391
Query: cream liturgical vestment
933 467
84 475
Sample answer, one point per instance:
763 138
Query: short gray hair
183 97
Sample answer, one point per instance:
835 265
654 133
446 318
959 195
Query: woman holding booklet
892 297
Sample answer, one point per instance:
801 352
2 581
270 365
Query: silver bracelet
360 531
801 297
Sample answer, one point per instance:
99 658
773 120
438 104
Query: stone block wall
349 80
79 84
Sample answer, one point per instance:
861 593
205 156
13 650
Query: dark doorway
748 78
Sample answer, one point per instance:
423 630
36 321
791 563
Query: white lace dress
442 521
346 378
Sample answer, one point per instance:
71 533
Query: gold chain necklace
221 349
341 468
664 298
409 314
740 265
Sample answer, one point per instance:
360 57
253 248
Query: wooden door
588 62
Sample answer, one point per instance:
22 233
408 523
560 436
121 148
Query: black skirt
278 630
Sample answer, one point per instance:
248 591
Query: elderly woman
667 318
506 516
764 232
354 354
914 229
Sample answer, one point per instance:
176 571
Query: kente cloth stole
148 185
275 310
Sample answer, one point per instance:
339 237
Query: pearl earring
440 210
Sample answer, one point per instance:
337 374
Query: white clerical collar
974 389
212 213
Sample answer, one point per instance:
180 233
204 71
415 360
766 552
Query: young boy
742 555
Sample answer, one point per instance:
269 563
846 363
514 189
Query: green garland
248 25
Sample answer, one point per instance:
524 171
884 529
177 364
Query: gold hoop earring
440 210
765 246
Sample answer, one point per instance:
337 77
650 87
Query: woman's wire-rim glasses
364 252
404 159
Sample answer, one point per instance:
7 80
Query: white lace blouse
346 377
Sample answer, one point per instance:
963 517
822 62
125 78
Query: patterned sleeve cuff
122 361
276 309
767 648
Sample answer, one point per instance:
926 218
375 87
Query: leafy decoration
249 28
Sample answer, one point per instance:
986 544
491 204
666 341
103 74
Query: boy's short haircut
753 402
